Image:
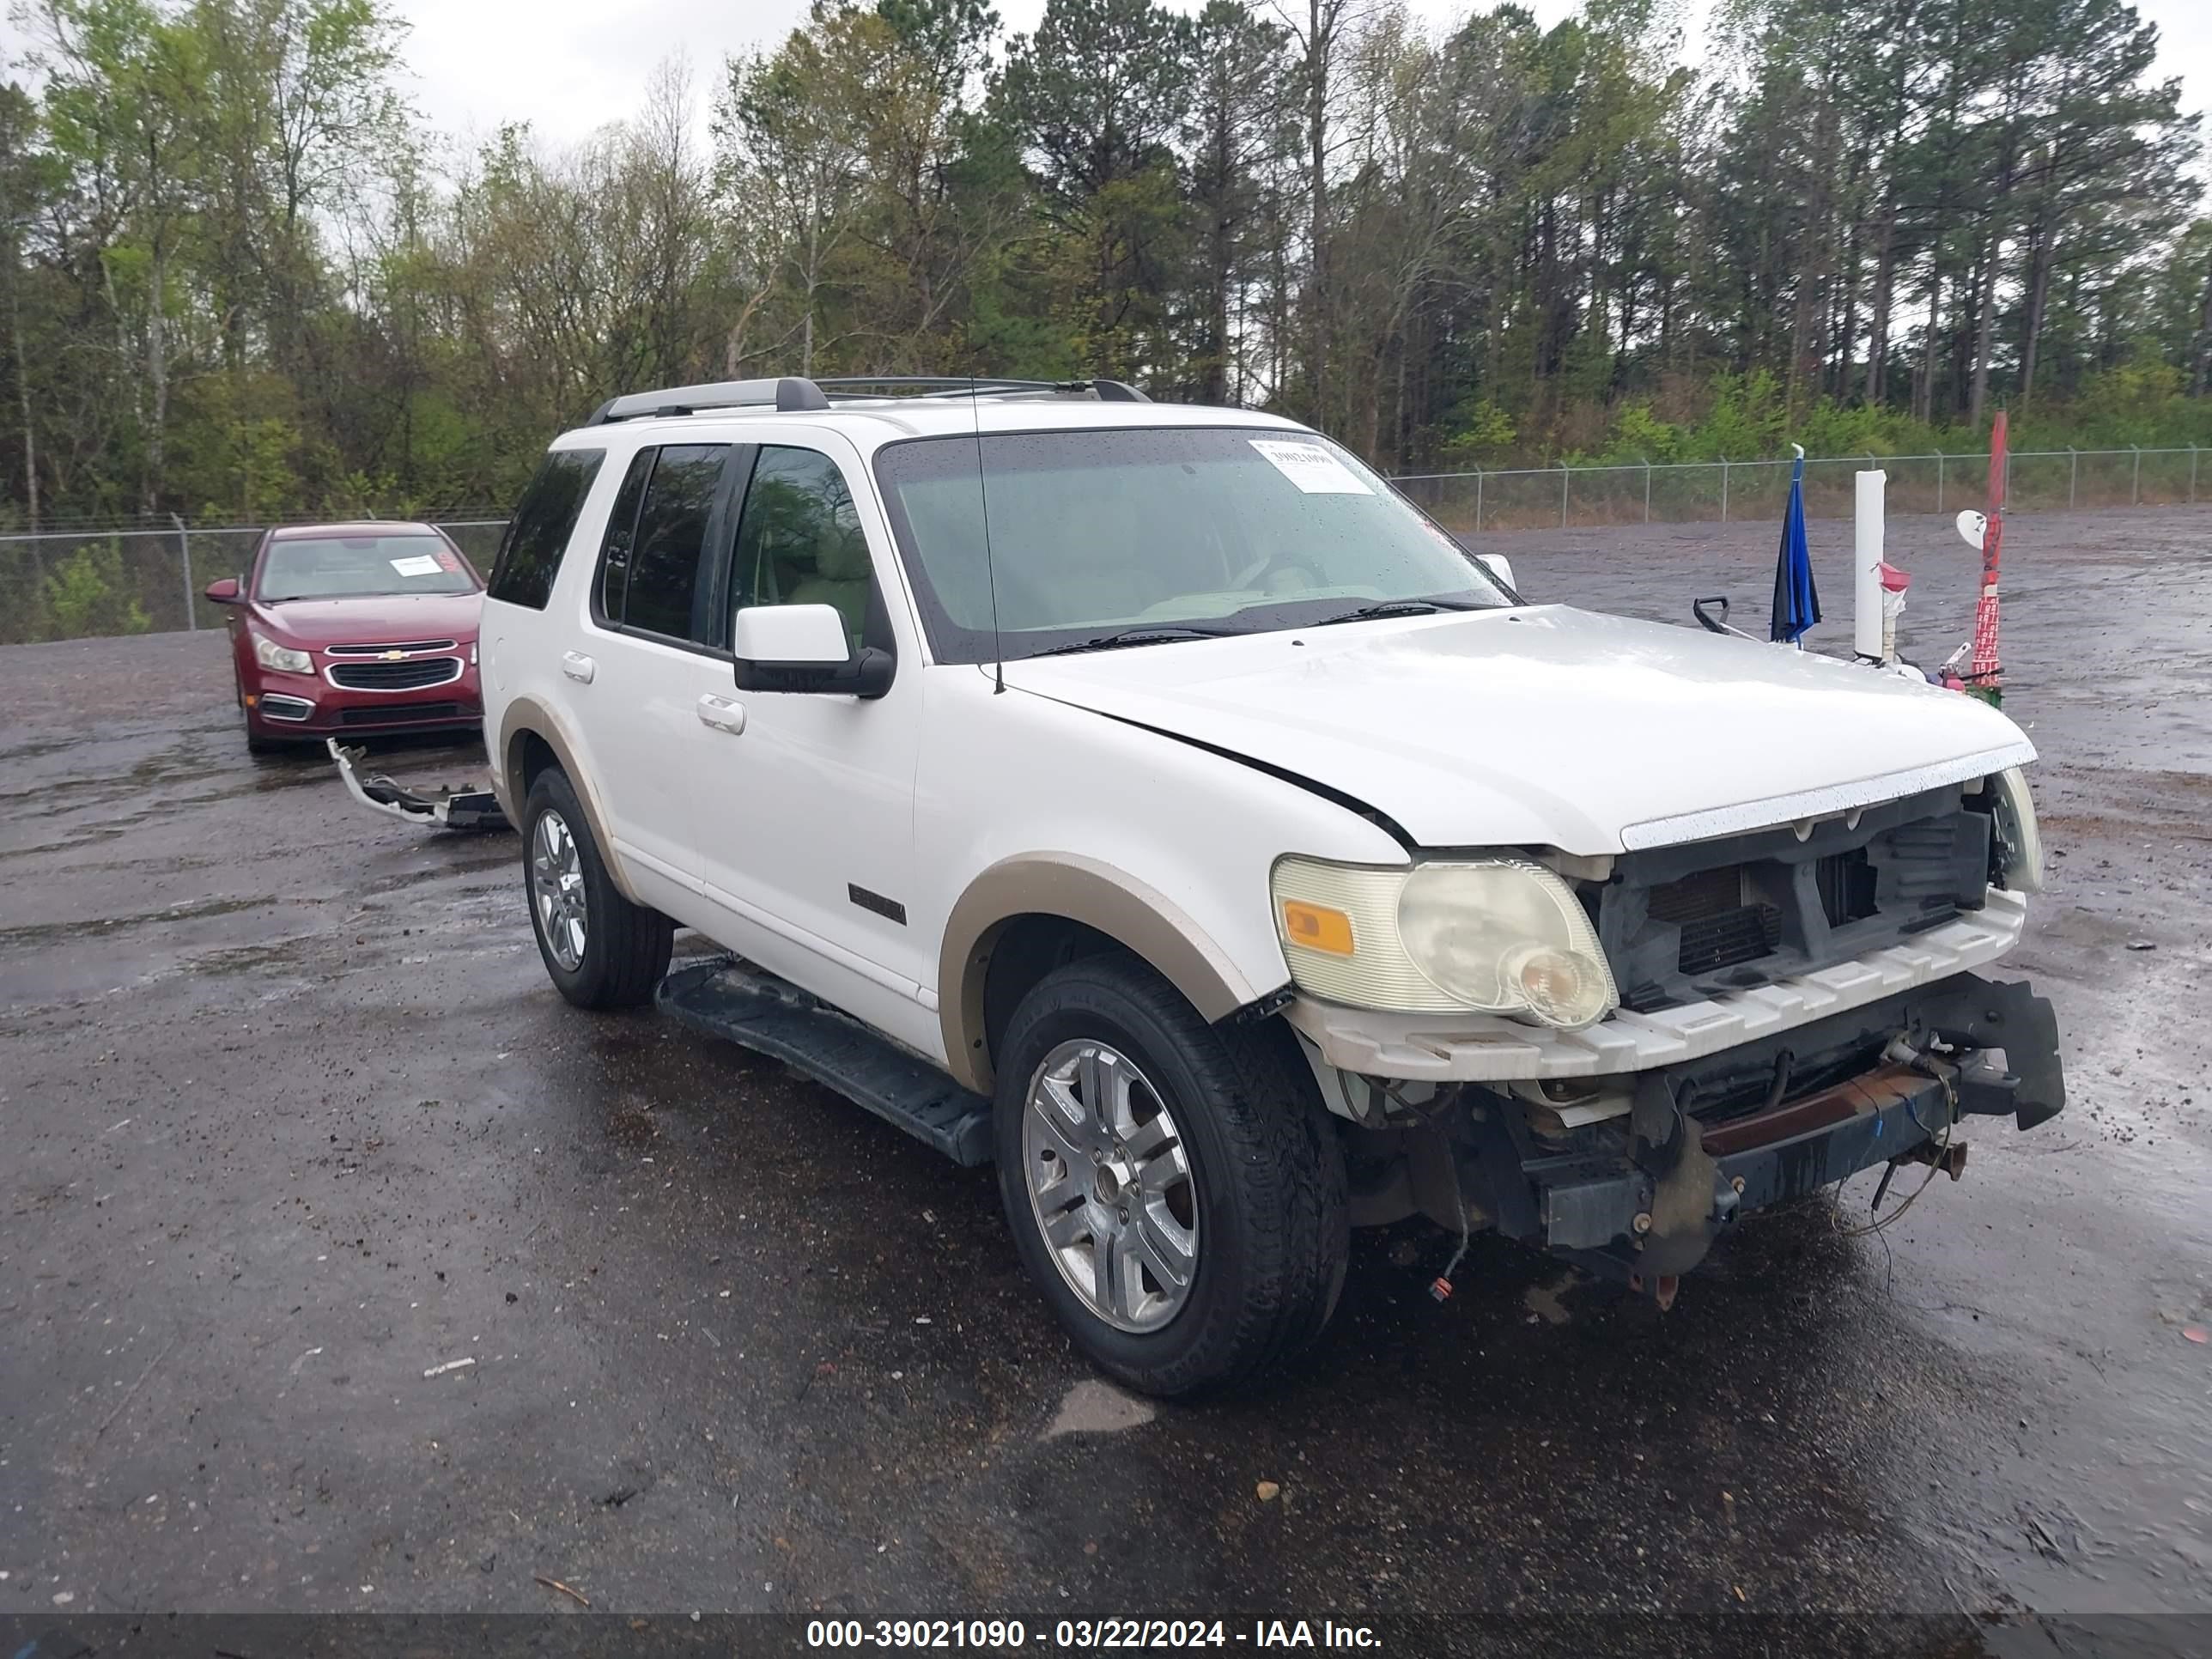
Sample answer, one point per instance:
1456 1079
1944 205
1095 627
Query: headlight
1495 935
281 658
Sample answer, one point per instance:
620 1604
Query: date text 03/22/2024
1088 1635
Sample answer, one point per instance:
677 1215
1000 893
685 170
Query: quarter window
529 552
621 537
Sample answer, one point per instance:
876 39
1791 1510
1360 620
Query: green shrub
88 595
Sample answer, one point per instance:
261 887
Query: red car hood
384 618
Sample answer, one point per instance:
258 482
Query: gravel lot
291 1119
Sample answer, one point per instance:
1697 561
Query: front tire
1175 1189
257 743
599 949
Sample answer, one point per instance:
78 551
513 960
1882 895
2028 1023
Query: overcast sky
568 66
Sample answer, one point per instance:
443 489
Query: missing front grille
1766 906
1722 921
1743 934
1695 898
1846 881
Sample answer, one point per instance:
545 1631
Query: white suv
1150 798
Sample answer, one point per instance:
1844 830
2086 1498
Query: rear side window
659 592
538 534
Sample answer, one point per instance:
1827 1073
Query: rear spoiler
441 806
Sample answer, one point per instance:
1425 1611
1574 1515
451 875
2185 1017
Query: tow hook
1688 1199
1951 1159
1662 1287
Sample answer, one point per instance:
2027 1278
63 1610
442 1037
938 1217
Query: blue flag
1796 601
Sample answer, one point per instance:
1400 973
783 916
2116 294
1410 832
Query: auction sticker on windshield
419 564
1310 467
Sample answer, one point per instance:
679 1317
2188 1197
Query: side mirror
802 648
1499 566
222 593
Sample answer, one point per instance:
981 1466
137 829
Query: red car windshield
360 566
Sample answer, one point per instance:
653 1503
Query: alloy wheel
556 889
1111 1185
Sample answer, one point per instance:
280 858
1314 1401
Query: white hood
1547 725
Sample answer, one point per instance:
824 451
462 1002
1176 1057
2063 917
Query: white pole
1866 586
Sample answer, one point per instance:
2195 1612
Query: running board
728 998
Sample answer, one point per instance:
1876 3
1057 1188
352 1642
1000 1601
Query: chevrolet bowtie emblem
393 656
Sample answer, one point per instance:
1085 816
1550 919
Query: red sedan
357 629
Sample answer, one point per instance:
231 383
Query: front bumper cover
439 806
350 712
1491 1047
1644 1198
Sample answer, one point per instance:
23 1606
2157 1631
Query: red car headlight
280 658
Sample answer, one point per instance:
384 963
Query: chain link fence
1706 492
80 582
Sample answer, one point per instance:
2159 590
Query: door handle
722 715
578 666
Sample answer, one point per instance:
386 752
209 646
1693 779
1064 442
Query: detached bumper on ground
440 806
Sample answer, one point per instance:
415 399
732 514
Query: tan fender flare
1078 888
527 717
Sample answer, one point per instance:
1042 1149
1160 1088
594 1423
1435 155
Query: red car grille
405 713
378 650
408 676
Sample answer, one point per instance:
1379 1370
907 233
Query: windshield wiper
1144 635
1396 608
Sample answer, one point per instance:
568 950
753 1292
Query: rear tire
1226 1115
599 949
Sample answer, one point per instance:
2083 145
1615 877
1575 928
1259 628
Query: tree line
244 278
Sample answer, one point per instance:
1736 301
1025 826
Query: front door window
800 539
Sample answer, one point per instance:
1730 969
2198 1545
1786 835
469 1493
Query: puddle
1542 1301
1095 1407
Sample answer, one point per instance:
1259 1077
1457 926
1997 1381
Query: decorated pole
1893 584
1984 676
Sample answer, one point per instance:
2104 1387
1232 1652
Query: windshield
1169 530
360 566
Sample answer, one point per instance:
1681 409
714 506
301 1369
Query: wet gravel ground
343 1266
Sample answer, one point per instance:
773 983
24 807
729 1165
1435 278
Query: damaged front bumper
441 806
1642 1194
